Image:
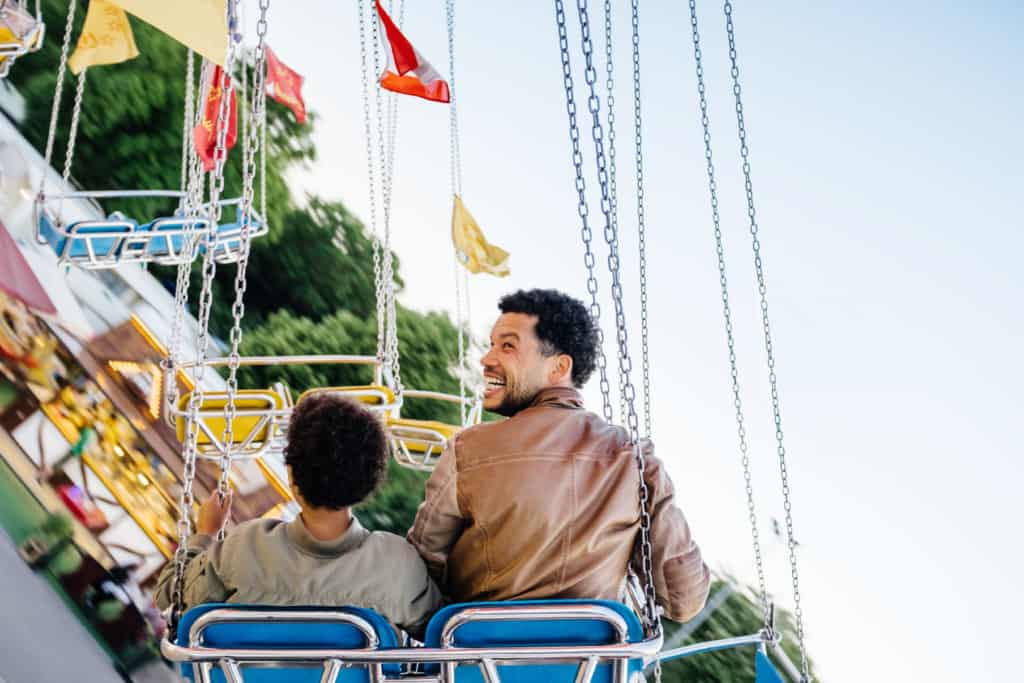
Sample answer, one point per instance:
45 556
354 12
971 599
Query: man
336 456
545 504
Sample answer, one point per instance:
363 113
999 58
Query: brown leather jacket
546 505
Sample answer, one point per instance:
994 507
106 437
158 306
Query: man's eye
507 345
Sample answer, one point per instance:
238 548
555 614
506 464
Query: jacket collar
558 397
305 541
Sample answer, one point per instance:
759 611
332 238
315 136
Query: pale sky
886 155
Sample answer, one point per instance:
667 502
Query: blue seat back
534 633
766 672
284 635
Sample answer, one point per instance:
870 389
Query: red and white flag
205 134
285 86
407 72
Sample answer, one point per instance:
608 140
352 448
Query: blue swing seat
282 635
229 238
78 235
766 672
534 632
171 244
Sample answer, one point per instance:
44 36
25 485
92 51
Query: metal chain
582 208
625 363
762 290
209 270
727 314
613 192
76 115
455 167
378 274
62 69
249 150
641 219
188 172
391 355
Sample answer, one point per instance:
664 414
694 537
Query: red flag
205 134
407 72
285 86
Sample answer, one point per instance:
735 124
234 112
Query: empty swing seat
229 239
253 627
480 625
422 436
259 417
167 235
375 396
74 241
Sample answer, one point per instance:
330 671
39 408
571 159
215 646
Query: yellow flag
199 24
474 252
106 37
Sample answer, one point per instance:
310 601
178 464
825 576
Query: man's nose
486 360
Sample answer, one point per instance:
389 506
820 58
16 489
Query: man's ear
561 373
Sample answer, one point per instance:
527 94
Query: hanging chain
613 192
378 274
190 176
249 149
391 355
76 115
209 270
62 69
641 219
762 290
727 314
584 212
455 166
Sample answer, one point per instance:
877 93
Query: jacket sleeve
681 578
439 521
203 582
420 600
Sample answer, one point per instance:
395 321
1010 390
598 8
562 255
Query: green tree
739 614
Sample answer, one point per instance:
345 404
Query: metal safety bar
587 657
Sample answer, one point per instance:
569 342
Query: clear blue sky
886 148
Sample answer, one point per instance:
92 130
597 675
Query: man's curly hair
336 449
564 325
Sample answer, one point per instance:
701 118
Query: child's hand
213 514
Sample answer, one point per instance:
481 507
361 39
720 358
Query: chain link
727 314
762 290
649 615
641 218
209 270
62 69
250 147
583 210
76 115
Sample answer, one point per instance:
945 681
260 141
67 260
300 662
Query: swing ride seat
376 396
261 416
538 624
578 641
88 241
255 627
20 34
229 235
167 236
417 444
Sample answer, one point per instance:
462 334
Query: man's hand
213 514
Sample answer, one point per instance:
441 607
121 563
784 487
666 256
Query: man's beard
514 400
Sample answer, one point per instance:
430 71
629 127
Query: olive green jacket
270 562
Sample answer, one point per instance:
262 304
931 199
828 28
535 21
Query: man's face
515 370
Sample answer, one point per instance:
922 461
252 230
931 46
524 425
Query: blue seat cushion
289 635
103 247
164 245
534 632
